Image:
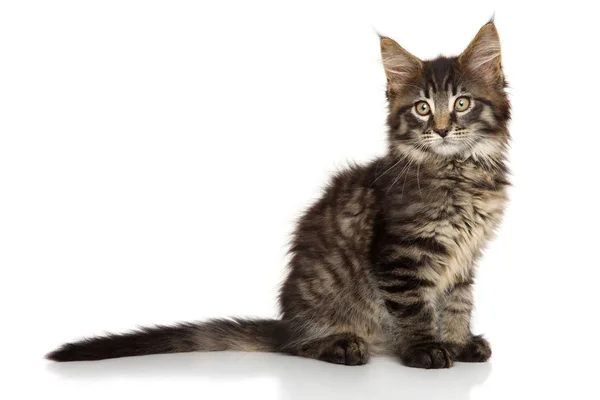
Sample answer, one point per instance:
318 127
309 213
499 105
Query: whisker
406 176
386 171
399 175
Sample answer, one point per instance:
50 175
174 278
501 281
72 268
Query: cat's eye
462 103
422 108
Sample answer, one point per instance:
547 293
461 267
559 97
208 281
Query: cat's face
447 107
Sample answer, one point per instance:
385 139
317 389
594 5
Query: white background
154 156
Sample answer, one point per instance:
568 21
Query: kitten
384 262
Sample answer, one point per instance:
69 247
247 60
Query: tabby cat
384 262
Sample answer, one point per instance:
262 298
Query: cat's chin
446 149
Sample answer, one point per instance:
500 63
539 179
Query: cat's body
377 241
384 262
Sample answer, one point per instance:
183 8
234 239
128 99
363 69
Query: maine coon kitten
384 262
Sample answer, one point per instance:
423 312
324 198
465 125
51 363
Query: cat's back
346 207
330 253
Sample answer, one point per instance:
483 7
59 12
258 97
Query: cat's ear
400 66
482 57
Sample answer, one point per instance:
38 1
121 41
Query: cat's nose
442 132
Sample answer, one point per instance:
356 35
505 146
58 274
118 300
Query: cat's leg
328 297
411 298
344 348
456 325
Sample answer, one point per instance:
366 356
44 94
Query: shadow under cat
298 378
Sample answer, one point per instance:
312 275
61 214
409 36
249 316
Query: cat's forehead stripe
446 82
433 83
440 70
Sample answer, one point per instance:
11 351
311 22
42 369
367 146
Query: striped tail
239 334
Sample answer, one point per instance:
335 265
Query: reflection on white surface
294 378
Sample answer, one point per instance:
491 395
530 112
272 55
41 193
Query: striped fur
384 262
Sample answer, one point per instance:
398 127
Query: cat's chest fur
454 207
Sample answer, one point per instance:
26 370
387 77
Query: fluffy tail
222 334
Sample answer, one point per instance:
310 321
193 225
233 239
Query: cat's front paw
476 350
428 356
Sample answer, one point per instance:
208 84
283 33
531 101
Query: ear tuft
483 55
398 63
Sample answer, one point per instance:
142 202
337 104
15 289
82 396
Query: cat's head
449 107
